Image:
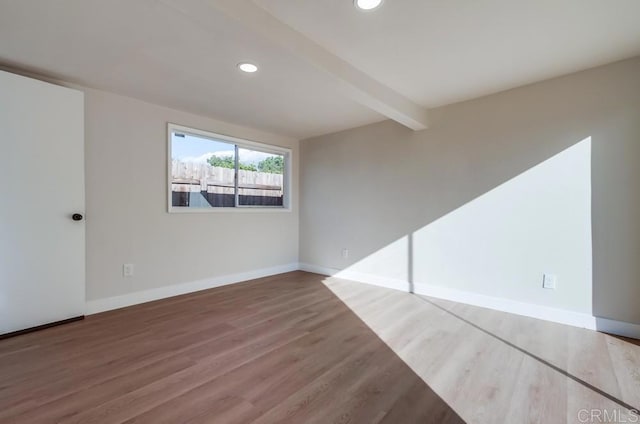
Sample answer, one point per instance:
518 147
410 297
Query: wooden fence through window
216 185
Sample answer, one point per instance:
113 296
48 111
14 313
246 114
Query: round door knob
76 217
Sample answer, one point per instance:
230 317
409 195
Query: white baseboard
500 304
562 316
129 299
546 313
620 328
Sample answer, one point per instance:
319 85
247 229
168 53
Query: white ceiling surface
155 53
437 52
183 53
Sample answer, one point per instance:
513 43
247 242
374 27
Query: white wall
495 194
127 219
501 243
380 187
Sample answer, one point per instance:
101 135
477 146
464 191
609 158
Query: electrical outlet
549 281
345 253
127 270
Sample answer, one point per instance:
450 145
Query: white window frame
238 142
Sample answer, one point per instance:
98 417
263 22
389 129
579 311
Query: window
209 171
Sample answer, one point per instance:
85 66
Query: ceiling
324 66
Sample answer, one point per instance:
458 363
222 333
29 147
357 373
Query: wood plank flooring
278 349
495 367
304 348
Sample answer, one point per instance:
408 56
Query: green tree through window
272 165
228 162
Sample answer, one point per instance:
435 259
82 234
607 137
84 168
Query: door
41 186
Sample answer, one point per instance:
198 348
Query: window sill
187 210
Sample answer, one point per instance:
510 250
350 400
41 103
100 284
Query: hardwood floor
304 348
495 367
278 349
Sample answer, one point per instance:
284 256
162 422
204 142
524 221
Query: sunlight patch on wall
501 243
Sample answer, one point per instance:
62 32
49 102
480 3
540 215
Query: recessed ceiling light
367 4
247 67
